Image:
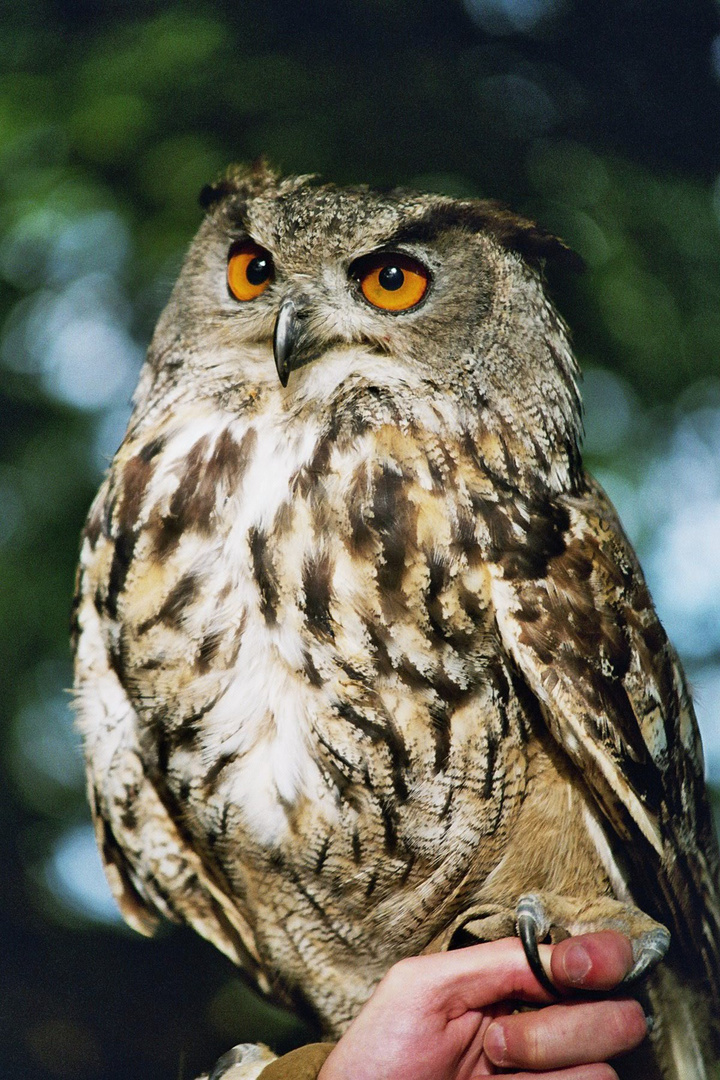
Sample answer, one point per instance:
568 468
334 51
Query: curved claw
650 949
532 926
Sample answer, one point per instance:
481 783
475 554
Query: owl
365 665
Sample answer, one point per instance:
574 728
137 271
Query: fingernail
494 1043
576 963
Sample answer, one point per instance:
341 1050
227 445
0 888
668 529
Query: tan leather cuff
302 1064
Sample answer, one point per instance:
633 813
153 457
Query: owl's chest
307 623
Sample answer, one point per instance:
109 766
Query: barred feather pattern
361 661
319 721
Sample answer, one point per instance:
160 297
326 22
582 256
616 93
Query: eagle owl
365 665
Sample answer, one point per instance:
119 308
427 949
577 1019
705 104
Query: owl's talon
538 915
532 926
648 950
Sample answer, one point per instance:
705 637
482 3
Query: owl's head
309 291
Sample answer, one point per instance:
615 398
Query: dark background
602 120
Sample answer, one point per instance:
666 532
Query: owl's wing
151 867
584 634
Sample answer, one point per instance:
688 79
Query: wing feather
151 867
587 640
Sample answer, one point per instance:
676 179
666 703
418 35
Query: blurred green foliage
602 121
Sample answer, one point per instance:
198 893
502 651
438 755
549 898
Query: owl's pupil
391 278
258 270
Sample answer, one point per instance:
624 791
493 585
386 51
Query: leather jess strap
302 1064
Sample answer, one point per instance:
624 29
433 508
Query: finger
591 961
467 979
559 1036
579 1072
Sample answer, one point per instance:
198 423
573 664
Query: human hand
449 1016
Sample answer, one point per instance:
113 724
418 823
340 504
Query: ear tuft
248 180
211 194
510 230
535 244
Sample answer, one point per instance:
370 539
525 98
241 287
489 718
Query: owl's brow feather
510 230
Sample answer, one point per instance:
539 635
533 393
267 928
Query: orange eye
392 282
250 270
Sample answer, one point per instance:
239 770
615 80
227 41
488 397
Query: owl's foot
546 915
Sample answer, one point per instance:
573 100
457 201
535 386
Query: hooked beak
285 339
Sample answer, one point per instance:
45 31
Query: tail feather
684 1033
